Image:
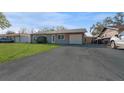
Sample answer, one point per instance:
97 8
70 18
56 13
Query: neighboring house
108 32
23 38
72 36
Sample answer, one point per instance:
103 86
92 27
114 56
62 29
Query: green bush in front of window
41 39
60 36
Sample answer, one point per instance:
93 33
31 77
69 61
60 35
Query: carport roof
119 28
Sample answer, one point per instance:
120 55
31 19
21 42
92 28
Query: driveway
68 63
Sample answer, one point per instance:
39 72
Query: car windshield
4 39
122 33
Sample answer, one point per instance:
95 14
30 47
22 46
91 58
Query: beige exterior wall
66 36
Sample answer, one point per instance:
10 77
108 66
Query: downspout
31 38
19 38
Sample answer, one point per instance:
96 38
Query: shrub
41 39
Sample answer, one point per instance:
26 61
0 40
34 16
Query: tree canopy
10 32
4 23
57 28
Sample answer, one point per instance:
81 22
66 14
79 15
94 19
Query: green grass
17 50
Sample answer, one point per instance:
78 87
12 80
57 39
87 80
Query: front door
53 38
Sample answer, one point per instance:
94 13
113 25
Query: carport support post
97 41
19 38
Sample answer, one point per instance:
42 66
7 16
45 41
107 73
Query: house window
61 37
35 38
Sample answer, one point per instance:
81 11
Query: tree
97 28
4 23
10 32
107 21
23 31
32 31
60 28
92 27
57 28
118 19
44 29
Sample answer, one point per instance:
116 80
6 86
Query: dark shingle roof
64 31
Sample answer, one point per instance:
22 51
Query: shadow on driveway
89 45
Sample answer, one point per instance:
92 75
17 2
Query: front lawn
15 50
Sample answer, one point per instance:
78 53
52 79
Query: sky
70 20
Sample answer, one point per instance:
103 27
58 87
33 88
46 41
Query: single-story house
70 36
108 32
23 38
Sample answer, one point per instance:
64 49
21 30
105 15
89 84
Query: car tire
113 45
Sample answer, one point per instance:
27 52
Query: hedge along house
72 36
18 38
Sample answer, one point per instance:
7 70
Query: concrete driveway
68 63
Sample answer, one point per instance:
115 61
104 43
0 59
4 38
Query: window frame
59 37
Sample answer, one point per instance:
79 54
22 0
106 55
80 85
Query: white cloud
38 19
35 20
101 16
